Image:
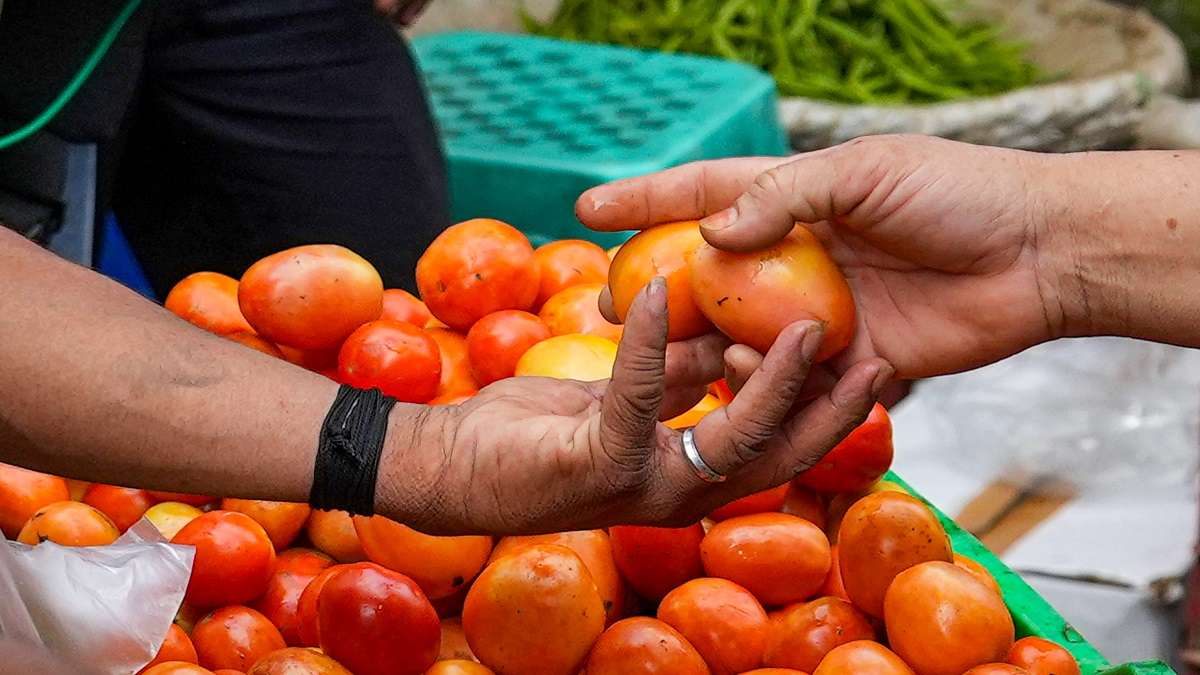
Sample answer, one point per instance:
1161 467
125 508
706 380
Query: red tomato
234 559
860 658
833 586
296 661
802 634
23 492
440 565
459 667
1042 657
400 305
978 570
377 622
722 620
69 524
234 637
256 343
779 558
802 502
123 506
208 300
655 560
761 502
577 310
177 646
721 390
308 622
318 361
943 621
475 268
281 520
752 297
497 341
310 297
294 570
456 366
644 646
332 532
996 669
397 358
566 263
182 498
661 252
858 461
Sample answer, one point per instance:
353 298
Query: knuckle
771 181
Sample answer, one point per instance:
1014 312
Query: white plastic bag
105 606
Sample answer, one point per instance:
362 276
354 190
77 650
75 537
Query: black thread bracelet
348 452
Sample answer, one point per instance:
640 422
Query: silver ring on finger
703 471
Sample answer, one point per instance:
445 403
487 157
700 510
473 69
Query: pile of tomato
837 573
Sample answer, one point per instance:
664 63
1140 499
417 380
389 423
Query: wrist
414 463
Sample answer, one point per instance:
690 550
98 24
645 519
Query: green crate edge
1031 613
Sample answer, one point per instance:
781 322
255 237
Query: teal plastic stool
529 123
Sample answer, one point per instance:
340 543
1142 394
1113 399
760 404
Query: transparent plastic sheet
105 606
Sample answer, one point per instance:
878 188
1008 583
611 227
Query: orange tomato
577 310
377 622
282 520
882 535
400 305
752 297
774 671
182 497
234 559
833 586
839 504
280 603
256 343
332 533
566 263
802 634
228 671
459 667
858 461
208 300
439 565
170 517
177 646
297 661
452 399
996 669
535 611
1042 657
644 646
586 358
234 637
779 558
308 624
76 488
802 502
177 668
23 492
397 358
692 417
661 252
123 506
978 570
456 364
655 560
318 361
759 502
722 620
942 620
612 253
69 524
594 548
475 268
497 341
454 642
861 657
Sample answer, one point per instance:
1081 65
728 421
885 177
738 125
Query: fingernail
812 340
720 220
881 379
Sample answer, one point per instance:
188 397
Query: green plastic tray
528 123
1031 613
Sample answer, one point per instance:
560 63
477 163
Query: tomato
318 361
234 637
459 667
802 634
752 297
833 586
228 671
177 646
594 548
308 625
1042 657
534 611
123 506
310 297
759 502
779 558
456 365
655 560
996 669
839 504
497 341
802 502
452 399
475 268
882 535
566 263
282 520
644 646
586 358
297 661
182 497
280 603
69 524
692 417
256 343
400 305
774 671
660 252
861 657
377 622
177 668
942 620
978 570
208 300
722 620
397 358
721 390
187 616
858 461
234 558
23 492
170 517
612 253
577 310
454 642
439 565
76 488
332 533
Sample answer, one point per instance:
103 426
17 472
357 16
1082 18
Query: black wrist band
348 451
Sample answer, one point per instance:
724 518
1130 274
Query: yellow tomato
692 417
570 357
170 517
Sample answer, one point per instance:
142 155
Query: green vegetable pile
851 51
